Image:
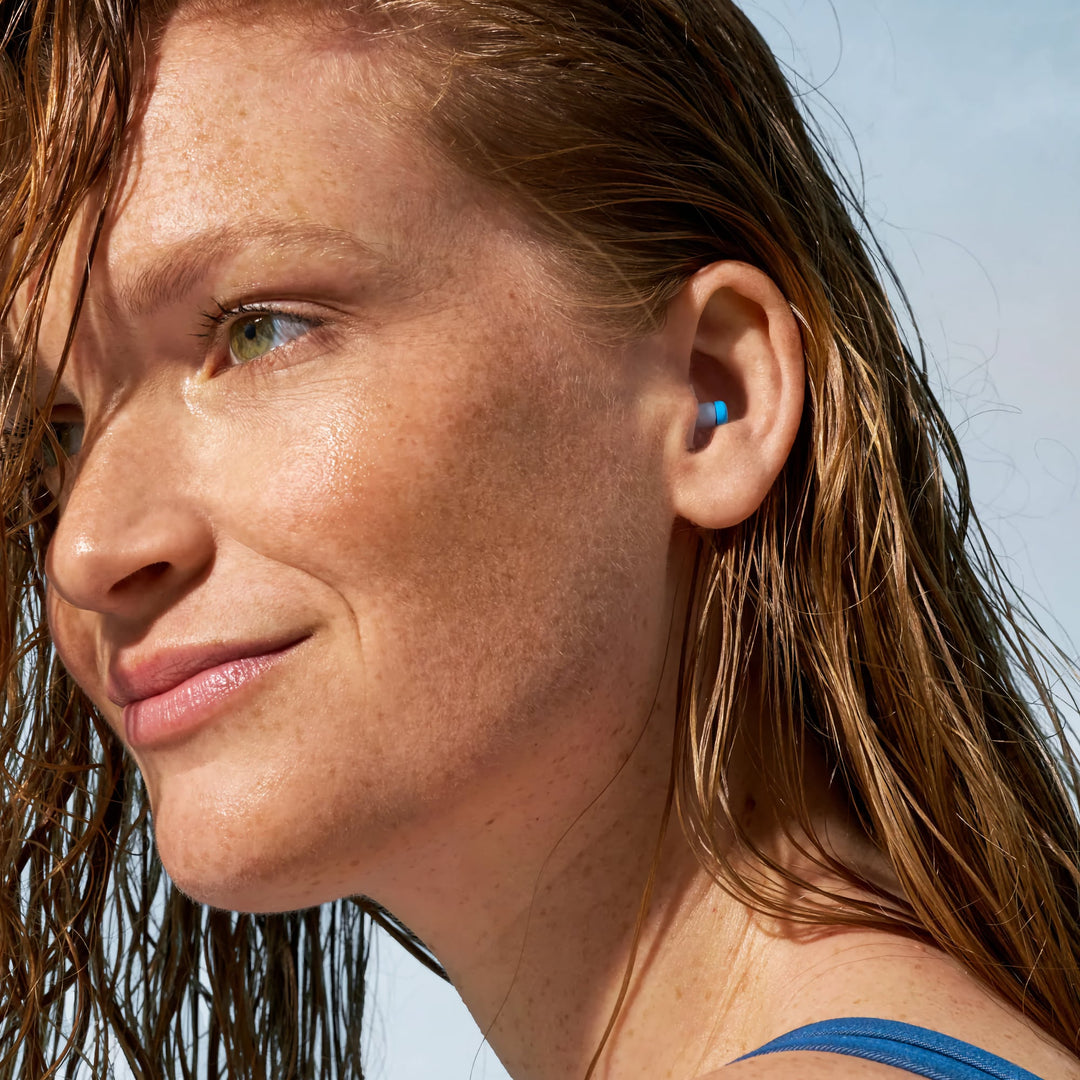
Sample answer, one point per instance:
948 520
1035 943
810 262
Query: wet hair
643 140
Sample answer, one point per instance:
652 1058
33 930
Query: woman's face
364 540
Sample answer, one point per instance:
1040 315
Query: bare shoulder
806 1065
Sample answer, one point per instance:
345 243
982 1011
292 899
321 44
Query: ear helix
711 414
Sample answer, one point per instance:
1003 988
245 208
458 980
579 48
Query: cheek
395 486
448 542
477 549
280 471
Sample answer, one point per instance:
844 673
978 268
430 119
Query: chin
250 883
233 881
254 861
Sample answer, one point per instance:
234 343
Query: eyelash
45 461
219 321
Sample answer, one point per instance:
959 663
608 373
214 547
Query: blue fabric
904 1046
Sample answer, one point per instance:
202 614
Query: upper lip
133 678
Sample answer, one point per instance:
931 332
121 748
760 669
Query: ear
731 336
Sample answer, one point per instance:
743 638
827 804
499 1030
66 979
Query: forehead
261 142
270 120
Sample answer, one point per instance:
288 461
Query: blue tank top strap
915 1049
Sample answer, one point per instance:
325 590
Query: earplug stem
712 414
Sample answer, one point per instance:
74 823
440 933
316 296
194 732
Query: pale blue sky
967 118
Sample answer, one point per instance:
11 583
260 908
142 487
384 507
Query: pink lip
175 692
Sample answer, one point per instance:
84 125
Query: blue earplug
712 414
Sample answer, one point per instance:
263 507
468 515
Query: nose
130 537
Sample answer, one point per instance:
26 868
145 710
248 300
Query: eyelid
221 322
58 475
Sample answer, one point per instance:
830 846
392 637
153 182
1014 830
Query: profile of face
361 519
368 546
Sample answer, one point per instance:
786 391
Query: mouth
171 693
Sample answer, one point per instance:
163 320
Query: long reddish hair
644 141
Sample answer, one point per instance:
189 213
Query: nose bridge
131 531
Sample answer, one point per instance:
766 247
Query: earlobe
732 338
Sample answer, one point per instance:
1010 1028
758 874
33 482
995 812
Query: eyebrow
175 269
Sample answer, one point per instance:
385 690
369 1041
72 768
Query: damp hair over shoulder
643 141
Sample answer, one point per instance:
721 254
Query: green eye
69 437
256 335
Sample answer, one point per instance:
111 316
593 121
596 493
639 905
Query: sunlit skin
336 398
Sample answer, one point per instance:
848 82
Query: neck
559 892
534 910
571 872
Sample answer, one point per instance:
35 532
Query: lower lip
165 717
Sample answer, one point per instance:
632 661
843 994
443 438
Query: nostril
130 563
145 575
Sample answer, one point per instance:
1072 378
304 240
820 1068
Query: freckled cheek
312 490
